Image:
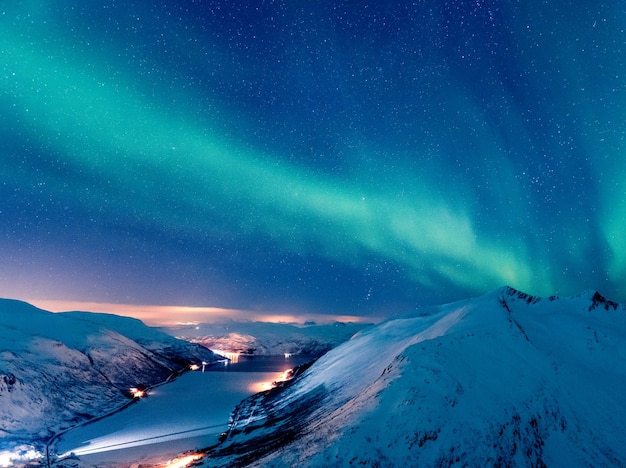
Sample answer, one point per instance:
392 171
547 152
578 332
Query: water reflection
278 377
233 357
192 411
247 363
256 387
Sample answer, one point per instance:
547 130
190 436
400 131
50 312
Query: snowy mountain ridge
507 379
59 369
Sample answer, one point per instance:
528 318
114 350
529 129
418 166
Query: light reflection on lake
246 363
185 414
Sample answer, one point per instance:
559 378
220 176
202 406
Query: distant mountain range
59 369
267 338
506 379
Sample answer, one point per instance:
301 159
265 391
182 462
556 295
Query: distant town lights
232 356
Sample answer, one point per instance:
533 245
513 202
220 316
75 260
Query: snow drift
503 380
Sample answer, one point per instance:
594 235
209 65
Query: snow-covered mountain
58 369
266 338
503 380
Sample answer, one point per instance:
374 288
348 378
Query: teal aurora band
311 156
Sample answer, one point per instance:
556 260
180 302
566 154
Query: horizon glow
169 316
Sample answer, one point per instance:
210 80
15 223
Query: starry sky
327 157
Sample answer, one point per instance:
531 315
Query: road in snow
186 414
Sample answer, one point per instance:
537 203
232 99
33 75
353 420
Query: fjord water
187 414
278 363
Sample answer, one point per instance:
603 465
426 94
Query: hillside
57 370
506 379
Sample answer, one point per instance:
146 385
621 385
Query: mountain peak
464 384
598 300
516 294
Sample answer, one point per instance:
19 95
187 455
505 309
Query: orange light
182 462
175 315
257 387
285 376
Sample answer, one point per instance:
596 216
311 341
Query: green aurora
364 181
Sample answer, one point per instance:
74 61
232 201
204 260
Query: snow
370 352
505 379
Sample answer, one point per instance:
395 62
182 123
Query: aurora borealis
329 157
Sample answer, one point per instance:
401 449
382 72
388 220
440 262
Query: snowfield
503 380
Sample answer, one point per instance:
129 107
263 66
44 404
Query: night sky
333 157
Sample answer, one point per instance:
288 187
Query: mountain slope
60 369
503 380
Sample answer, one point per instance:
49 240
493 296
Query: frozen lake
187 414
